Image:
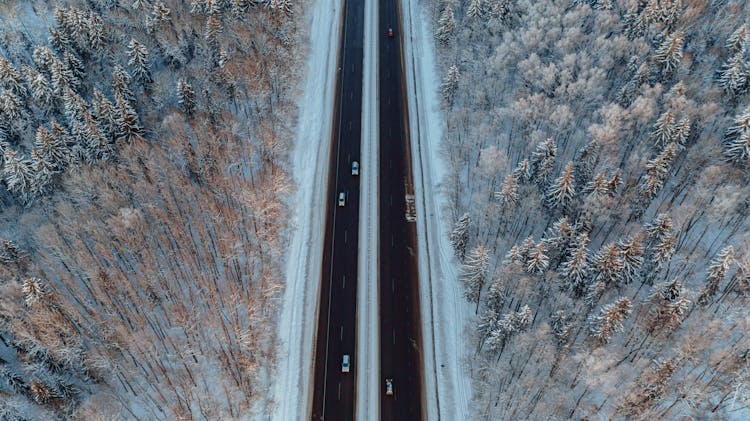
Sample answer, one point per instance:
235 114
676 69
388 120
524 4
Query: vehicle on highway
390 32
342 199
345 363
355 168
389 387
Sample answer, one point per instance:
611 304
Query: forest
144 148
599 158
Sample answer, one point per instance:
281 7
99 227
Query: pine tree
62 77
474 273
212 32
41 91
610 320
543 162
450 84
526 247
18 174
460 236
669 53
10 252
139 62
495 297
75 106
733 77
560 323
11 106
128 126
717 271
10 79
446 25
506 326
608 264
508 194
474 10
75 67
664 129
160 15
537 261
42 173
575 271
737 42
522 172
513 256
51 149
668 303
682 132
121 81
186 97
98 146
632 258
105 115
96 34
562 191
657 172
599 186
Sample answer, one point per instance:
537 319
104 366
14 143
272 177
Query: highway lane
334 391
400 336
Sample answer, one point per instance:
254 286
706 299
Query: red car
390 32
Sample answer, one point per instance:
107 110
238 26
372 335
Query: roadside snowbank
297 326
445 312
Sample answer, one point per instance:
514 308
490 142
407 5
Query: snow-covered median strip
298 324
444 310
368 326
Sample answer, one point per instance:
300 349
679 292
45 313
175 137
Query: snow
445 313
368 329
297 325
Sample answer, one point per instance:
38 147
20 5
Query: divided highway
400 336
333 390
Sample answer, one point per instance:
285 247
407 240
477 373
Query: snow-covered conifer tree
737 139
717 270
632 258
537 261
186 97
51 149
76 68
446 25
668 303
139 62
460 235
664 129
18 174
450 84
495 297
608 264
615 182
474 10
474 273
105 115
508 194
522 172
733 77
610 319
561 193
543 161
669 54
121 81
41 91
682 132
737 42
599 186
128 126
657 172
11 79
575 271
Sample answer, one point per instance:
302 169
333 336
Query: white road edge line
368 331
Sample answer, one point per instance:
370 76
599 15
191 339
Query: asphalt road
334 391
400 337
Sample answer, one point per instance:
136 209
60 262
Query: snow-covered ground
445 312
297 327
368 327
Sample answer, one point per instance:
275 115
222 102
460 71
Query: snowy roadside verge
368 326
310 159
444 311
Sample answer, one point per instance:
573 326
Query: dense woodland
143 148
599 184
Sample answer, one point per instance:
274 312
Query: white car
345 363
355 168
389 387
342 199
